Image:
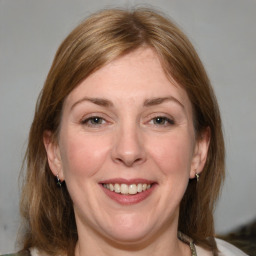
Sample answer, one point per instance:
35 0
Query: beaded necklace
188 241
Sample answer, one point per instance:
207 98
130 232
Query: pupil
96 120
159 120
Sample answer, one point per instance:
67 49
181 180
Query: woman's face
127 149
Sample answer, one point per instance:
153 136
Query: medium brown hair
49 222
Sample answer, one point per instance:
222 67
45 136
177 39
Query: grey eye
161 120
93 121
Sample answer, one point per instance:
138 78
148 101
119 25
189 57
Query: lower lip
129 199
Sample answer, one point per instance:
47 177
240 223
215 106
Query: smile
125 189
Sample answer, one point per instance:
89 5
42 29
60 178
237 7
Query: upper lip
127 181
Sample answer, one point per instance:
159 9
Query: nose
128 146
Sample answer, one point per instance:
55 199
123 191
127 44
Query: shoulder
31 252
227 249
20 253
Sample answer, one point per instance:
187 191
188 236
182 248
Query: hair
49 222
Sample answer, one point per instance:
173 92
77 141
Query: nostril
129 161
138 160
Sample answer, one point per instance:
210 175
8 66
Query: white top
226 249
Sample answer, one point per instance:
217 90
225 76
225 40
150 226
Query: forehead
137 75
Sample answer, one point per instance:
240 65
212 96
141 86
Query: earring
58 181
197 177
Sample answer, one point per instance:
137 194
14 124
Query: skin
128 141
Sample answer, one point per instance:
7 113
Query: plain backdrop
222 31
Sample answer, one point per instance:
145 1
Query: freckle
5 227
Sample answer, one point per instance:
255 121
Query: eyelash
167 121
88 121
97 121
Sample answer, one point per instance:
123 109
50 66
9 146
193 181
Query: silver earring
197 177
58 181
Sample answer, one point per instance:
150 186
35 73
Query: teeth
111 187
133 189
139 188
117 188
125 189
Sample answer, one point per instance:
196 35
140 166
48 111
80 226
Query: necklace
188 241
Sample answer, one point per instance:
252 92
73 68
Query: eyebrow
147 103
160 100
98 101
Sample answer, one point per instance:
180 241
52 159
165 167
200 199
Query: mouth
127 189
127 192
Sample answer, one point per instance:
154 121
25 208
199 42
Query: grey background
223 32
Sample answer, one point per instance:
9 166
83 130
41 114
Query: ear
53 154
200 153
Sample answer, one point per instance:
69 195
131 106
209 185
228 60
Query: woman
129 125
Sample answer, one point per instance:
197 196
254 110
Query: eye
162 121
93 121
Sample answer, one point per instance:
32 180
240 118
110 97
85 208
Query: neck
164 244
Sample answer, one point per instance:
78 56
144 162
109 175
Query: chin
128 229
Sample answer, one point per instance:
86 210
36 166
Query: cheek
173 154
83 155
